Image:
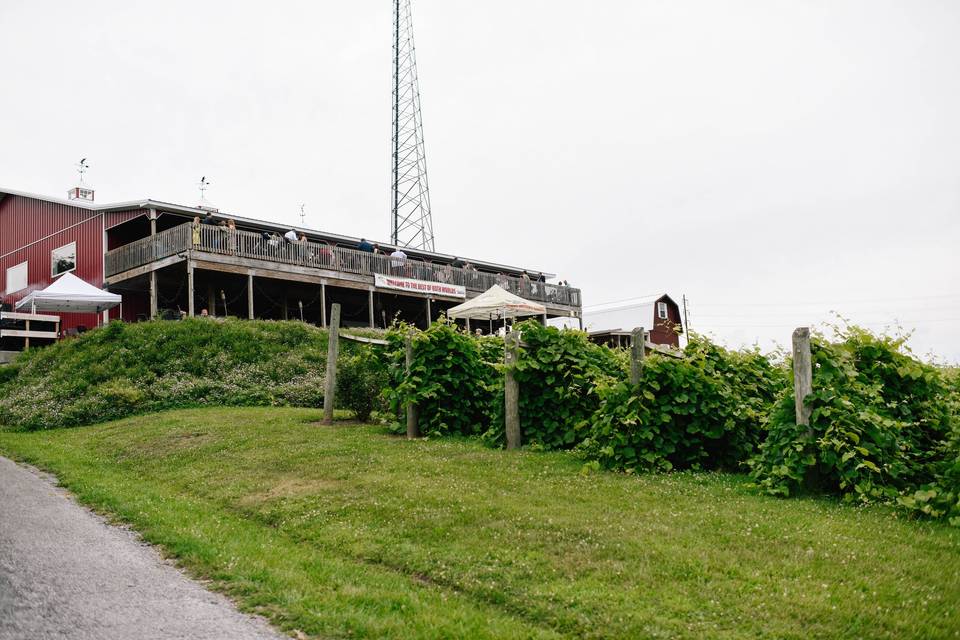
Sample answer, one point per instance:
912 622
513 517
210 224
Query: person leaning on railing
366 249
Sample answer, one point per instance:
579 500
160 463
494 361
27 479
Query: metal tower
411 224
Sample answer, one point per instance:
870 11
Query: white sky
771 160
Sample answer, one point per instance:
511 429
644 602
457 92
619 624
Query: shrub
361 380
7 373
449 379
706 410
559 373
881 426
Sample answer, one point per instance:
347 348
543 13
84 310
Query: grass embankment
124 369
344 531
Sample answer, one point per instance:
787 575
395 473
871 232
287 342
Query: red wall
30 229
664 331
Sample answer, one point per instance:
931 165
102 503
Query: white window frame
25 280
662 311
53 272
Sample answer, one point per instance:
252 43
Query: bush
451 382
707 410
361 381
7 373
559 373
883 424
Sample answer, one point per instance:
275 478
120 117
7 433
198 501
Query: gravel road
65 573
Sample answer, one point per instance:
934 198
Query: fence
273 248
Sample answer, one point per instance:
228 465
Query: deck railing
146 250
273 248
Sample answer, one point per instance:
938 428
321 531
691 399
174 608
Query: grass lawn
347 532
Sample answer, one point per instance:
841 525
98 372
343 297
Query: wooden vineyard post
802 375
413 429
333 350
638 342
511 390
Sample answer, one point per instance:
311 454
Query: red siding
30 229
119 217
665 331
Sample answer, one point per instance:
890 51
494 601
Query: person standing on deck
195 232
397 260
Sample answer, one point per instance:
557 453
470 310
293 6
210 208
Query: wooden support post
413 412
370 304
544 319
511 390
154 305
26 338
333 350
429 314
323 304
286 309
191 310
638 349
802 375
250 296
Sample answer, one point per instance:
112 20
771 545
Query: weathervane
204 183
303 215
82 167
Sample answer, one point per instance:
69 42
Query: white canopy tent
496 303
70 294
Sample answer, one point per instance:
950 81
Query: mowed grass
345 531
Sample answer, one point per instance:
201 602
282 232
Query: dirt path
65 573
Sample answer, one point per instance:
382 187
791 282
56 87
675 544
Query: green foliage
883 424
121 369
361 380
8 372
559 373
706 410
450 380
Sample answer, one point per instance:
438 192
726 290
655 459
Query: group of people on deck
295 245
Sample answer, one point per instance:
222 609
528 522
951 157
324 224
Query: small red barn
658 314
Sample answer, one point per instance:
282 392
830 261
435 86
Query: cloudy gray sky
773 161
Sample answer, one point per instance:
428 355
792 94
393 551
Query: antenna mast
411 223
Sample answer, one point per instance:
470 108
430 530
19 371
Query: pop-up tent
496 303
70 294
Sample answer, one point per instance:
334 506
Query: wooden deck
251 254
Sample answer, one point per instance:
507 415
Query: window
16 278
662 310
63 259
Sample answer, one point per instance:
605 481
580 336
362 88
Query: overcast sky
773 161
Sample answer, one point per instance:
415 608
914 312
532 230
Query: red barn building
658 314
149 252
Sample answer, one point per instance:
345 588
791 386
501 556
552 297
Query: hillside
124 369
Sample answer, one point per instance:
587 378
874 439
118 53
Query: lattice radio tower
411 224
